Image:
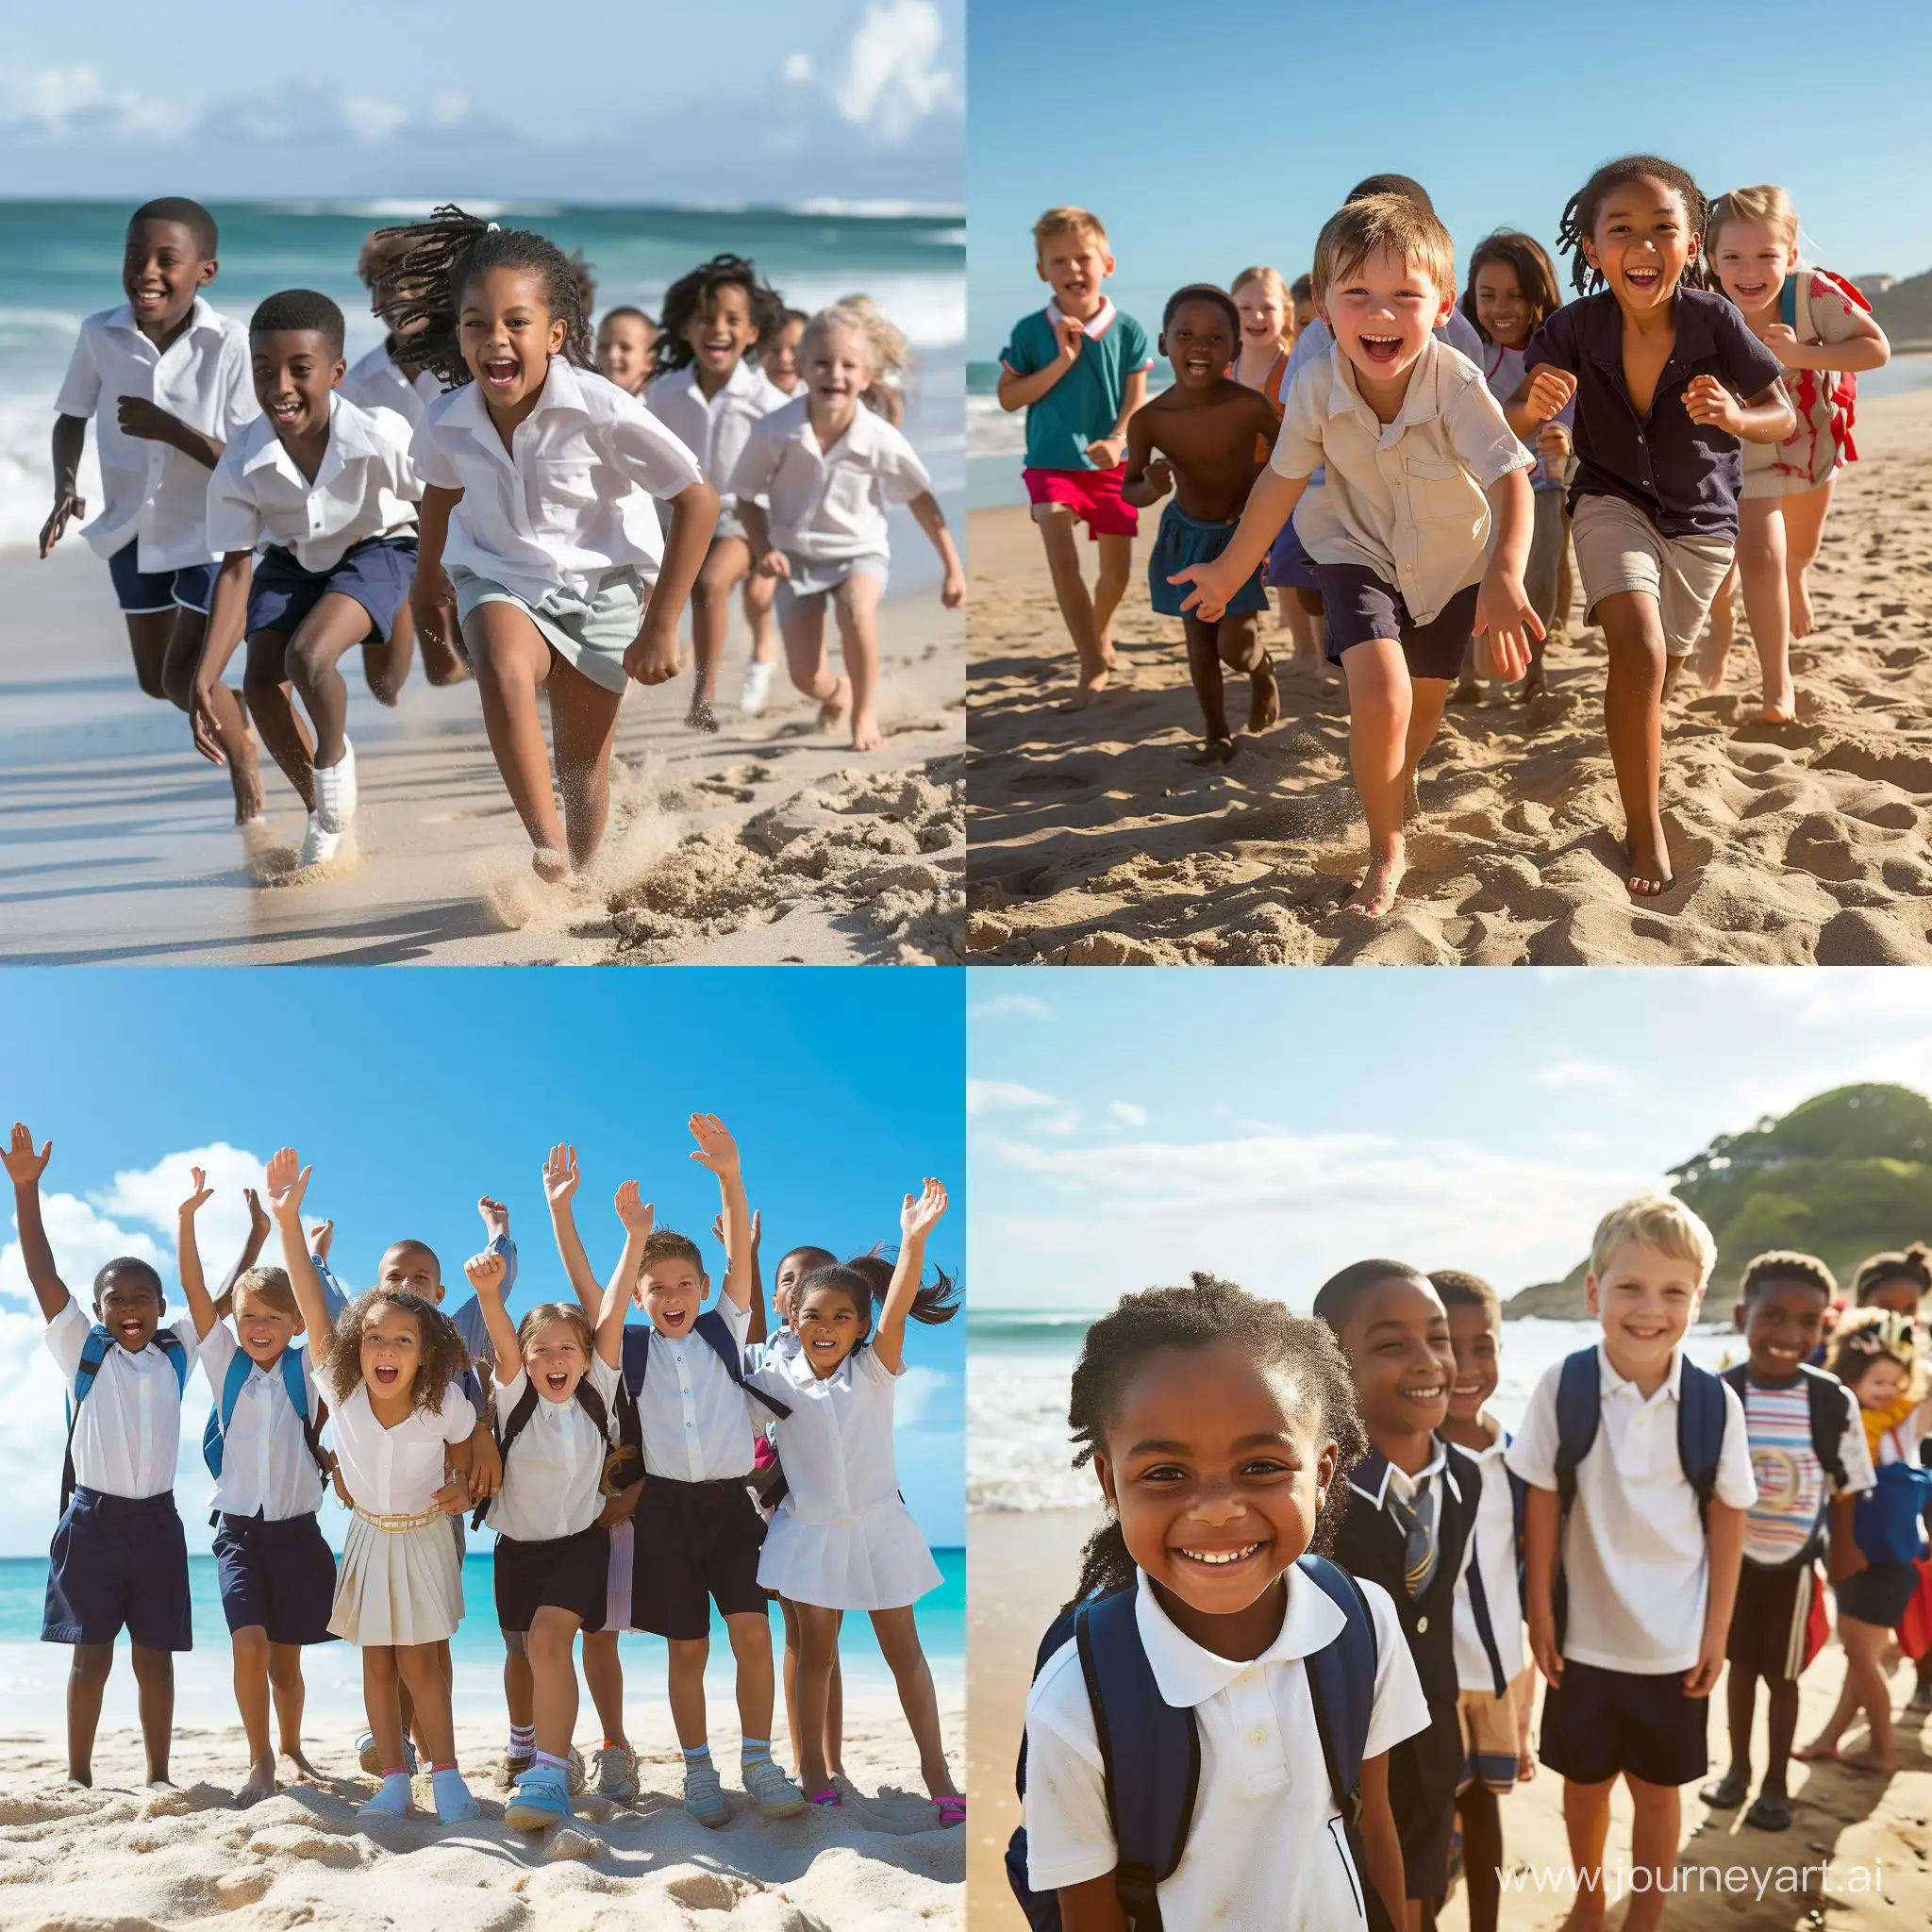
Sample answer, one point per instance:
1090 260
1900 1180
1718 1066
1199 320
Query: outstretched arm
717 1151
25 1168
251 1253
757 1331
559 1184
486 1272
930 518
187 1258
288 1182
639 1219
917 1217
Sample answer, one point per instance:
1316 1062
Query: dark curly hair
305 309
1207 1311
1787 1264
444 1355
1581 214
143 1271
1203 291
693 295
1912 1265
426 266
868 1278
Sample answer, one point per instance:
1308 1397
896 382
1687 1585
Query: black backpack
518 1421
1831 1406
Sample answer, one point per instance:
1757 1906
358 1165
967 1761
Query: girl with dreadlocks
536 520
1667 378
1222 1428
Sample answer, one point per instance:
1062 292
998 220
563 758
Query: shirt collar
349 438
1373 1476
1420 402
1612 1382
1094 327
861 436
1693 314
1186 1674
199 317
562 389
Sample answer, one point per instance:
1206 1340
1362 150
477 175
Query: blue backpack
93 1352
219 1417
1150 1753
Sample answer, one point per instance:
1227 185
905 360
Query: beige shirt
1403 499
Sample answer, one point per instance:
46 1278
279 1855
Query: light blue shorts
814 578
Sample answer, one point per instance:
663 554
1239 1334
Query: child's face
1882 1384
400 296
1782 1325
671 1293
1643 242
721 332
1397 1342
508 335
780 361
263 1330
1218 1473
839 365
1477 1345
555 1360
1382 312
1646 1299
1263 318
1752 263
1199 344
1305 312
130 1310
829 1326
162 269
1074 266
294 371
624 350
1502 310
391 1349
409 1265
1898 1294
792 1268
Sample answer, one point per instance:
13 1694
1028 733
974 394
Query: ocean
63 263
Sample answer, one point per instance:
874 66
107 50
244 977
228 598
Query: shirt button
1421 1623
1257 1736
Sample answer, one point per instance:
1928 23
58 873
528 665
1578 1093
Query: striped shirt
1792 1482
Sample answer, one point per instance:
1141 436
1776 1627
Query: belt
396 1524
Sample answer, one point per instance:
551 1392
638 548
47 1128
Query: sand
119 1855
121 848
1095 840
1024 1564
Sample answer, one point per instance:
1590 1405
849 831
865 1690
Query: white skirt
403 1585
877 1561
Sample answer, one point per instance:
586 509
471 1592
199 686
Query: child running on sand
535 522
1207 429
812 486
1397 534
1079 367
625 338
1821 330
1657 370
387 377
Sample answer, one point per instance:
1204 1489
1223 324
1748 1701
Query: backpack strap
1701 1411
518 1421
717 1332
1830 1403
1485 1625
93 1352
1788 304
214 1437
1579 1410
1341 1684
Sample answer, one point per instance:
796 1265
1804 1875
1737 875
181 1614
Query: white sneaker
318 846
757 688
335 791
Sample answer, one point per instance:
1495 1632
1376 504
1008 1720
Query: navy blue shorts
142 590
696 1544
1879 1594
119 1563
378 574
281 1576
1183 540
1597 1723
1287 564
571 1572
1357 606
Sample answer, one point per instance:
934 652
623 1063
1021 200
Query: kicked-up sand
1095 840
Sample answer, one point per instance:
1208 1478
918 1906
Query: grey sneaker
617 1775
703 1796
778 1795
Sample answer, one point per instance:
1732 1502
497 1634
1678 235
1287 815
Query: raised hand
486 1273
258 1216
1712 406
1550 389
560 1174
716 1149
200 1192
24 1166
288 1182
320 1236
636 1214
718 1229
921 1213
495 1215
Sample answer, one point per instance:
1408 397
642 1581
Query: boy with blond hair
1640 1475
1422 469
1079 367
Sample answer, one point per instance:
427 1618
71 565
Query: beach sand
768 842
1095 840
124 1856
1024 1562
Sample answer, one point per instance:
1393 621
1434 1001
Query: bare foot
1467 691
1264 696
550 865
1411 800
1800 608
832 711
261 1784
1869 1759
1218 751
1084 693
1712 654
866 735
1673 673
1780 707
293 1768
1650 862
1819 1748
1533 686
1375 895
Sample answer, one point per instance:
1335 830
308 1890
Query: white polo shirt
1265 1827
375 382
153 495
696 1420
395 1471
1492 1555
569 499
1406 499
266 1467
364 488
127 1431
549 1476
828 504
1636 1560
715 431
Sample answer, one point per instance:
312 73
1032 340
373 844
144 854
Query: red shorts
1092 495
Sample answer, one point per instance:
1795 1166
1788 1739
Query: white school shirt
696 1420
836 1444
1636 1559
266 1468
1267 1845
395 1471
375 382
1406 499
1492 1555
154 496
128 1433
364 487
830 503
549 1476
569 500
715 431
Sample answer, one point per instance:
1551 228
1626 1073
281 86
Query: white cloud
371 118
797 68
83 1238
1014 1005
449 111
154 1195
994 1096
1128 1114
892 80
1599 1076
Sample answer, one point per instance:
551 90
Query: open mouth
1425 1392
1199 365
557 1381
501 371
149 299
1642 281
824 1344
285 412
1221 1558
1466 1389
384 1377
1381 349
129 1331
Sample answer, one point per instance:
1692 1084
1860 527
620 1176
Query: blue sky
413 1092
1209 141
1127 1127
740 99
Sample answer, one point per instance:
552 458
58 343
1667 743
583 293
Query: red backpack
1837 387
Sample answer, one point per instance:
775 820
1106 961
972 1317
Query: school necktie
1416 1519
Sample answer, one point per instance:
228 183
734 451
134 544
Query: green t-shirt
1085 404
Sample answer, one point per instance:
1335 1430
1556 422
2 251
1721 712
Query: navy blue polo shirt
1685 476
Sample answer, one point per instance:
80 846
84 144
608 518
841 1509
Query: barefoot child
1640 1476
1267 337
1819 328
842 1538
1078 368
389 1369
625 338
1397 534
536 518
1657 371
1221 1427
811 487
1206 430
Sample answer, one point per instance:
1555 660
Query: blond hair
1657 1221
885 347
1057 221
544 1314
1380 224
1766 204
1272 280
269 1286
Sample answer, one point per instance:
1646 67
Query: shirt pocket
564 488
1440 492
1337 1837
